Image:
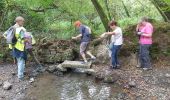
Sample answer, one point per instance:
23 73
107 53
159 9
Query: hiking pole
39 68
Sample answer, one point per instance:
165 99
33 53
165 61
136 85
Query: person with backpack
117 43
145 43
15 37
85 35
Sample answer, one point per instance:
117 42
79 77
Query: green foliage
55 18
2 6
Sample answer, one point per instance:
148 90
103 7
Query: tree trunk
108 10
126 10
101 13
160 5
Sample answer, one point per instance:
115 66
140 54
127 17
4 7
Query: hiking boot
138 66
113 67
118 66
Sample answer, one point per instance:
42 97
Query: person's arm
147 34
137 27
78 36
107 33
110 33
5 35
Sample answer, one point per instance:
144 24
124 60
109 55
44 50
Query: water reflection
74 86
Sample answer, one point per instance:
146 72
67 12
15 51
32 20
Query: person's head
113 24
144 20
77 24
19 20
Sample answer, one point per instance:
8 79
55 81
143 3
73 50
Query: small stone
132 84
31 80
13 73
126 86
167 75
7 85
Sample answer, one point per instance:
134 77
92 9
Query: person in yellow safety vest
19 48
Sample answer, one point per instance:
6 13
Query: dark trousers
144 56
115 51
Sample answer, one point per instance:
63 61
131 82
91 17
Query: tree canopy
56 17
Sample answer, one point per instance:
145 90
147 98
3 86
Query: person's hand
74 38
139 33
26 40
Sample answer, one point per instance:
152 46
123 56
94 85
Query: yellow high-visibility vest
20 45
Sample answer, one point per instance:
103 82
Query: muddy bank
17 92
139 84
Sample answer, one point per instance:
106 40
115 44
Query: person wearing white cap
19 47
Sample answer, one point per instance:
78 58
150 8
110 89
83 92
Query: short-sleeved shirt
147 29
118 37
86 33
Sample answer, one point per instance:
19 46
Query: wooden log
76 64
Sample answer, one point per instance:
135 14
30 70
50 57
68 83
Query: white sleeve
117 31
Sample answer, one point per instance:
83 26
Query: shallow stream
73 86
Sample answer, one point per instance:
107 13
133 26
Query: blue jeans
114 56
21 67
144 56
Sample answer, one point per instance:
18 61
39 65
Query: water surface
73 86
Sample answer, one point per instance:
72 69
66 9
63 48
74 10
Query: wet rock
7 85
90 71
59 73
102 54
76 64
111 78
60 68
51 68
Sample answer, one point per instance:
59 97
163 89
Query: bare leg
84 57
89 53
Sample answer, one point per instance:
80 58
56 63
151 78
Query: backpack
10 36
